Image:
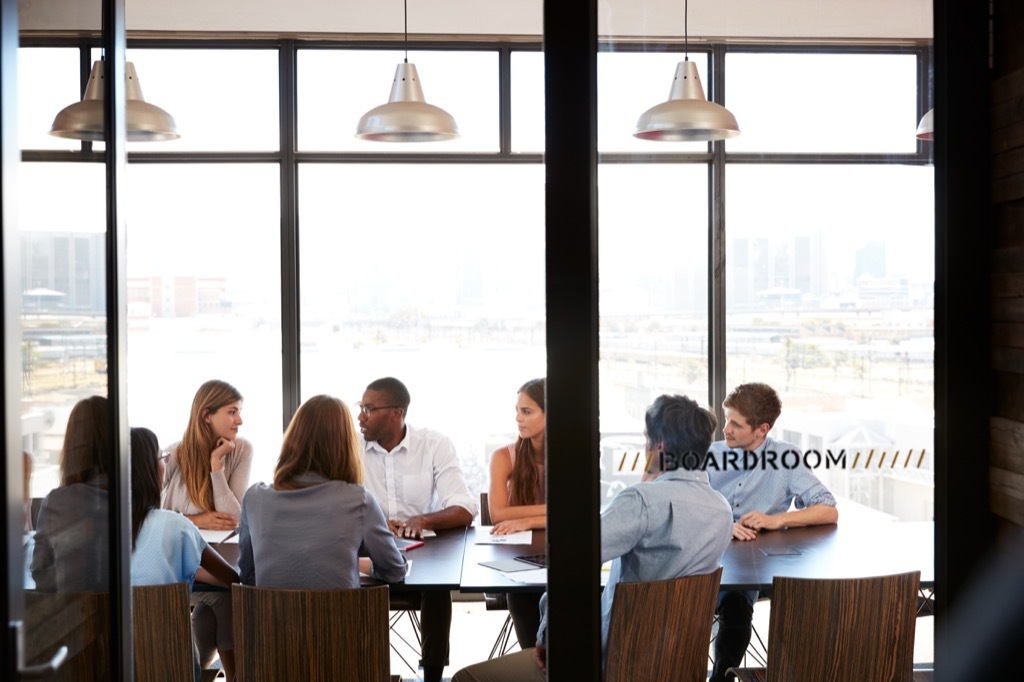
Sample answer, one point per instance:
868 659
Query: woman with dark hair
166 547
70 553
306 530
207 474
517 500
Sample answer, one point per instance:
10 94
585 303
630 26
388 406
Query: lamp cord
686 30
405 4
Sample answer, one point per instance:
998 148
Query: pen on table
228 537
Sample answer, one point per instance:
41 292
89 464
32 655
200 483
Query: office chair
842 630
659 630
497 601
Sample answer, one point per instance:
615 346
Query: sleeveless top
538 494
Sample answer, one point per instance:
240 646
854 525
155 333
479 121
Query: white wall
617 18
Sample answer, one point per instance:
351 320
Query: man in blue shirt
671 524
761 478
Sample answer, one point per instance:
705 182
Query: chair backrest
660 630
78 620
163 633
307 635
856 629
485 510
81 621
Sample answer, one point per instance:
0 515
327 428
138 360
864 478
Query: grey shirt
311 538
674 526
70 553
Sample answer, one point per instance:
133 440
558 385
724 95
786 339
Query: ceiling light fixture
687 115
407 117
926 128
144 122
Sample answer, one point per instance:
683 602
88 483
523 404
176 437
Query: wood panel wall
1006 426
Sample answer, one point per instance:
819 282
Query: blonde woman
206 476
305 531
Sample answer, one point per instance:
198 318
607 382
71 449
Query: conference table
452 559
834 551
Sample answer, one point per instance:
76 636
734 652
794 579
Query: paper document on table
215 537
538 576
484 537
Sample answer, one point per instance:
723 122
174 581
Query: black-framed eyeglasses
164 456
367 410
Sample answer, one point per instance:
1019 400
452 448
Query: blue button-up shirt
771 484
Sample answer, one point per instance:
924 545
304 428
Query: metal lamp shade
144 122
926 128
407 117
687 115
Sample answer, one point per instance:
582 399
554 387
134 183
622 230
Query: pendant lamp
687 115
144 122
926 128
407 117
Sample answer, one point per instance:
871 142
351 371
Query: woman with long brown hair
305 531
208 469
70 553
206 476
517 498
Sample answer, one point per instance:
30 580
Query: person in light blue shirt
768 487
671 524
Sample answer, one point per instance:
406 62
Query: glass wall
426 261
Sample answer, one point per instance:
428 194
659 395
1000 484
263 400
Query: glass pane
441 290
653 302
204 297
336 87
528 102
823 103
64 414
222 100
630 83
57 68
830 300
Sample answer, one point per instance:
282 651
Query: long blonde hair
321 438
193 454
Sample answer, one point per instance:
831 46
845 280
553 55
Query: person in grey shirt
671 524
307 529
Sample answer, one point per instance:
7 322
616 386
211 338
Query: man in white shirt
416 478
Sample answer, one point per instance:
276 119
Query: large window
426 262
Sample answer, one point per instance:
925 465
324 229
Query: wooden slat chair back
311 635
78 620
163 633
842 630
660 630
81 621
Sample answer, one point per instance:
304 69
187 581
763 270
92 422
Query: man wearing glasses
415 476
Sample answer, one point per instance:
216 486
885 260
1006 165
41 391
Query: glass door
67 599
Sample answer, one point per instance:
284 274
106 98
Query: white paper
484 537
215 537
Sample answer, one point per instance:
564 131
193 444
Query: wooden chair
163 633
497 601
81 621
311 635
660 630
842 630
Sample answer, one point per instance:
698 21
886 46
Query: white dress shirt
421 475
